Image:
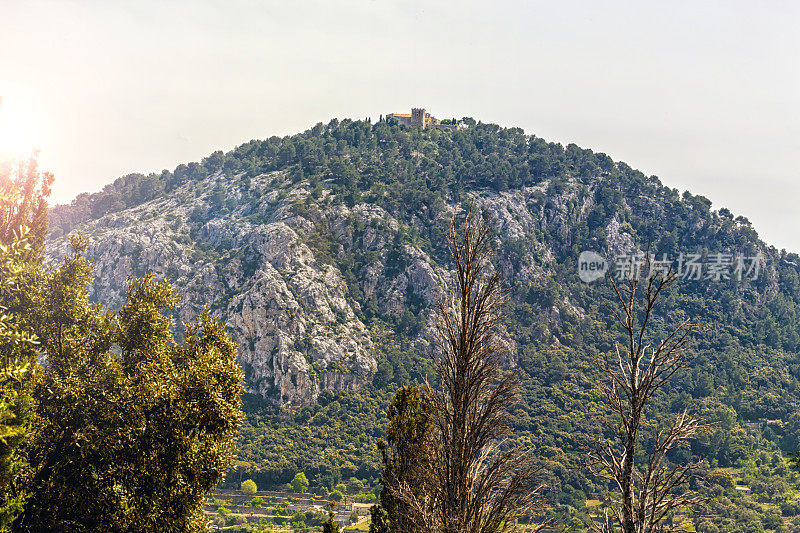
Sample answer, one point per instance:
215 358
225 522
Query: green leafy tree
23 204
330 526
379 520
249 487
299 483
406 459
16 351
241 467
133 428
23 226
354 485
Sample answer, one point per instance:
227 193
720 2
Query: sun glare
17 131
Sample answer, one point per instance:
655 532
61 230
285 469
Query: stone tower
418 117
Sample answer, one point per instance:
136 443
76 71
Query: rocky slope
285 302
323 252
268 264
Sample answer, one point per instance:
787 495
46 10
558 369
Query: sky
703 94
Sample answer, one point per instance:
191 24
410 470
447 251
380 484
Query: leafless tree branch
481 482
645 493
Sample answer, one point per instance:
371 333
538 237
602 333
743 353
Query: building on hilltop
419 118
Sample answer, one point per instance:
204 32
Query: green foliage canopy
23 226
299 483
249 487
133 428
409 439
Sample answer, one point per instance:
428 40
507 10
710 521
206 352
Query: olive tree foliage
645 493
475 478
121 429
133 428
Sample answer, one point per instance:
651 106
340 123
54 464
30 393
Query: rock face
276 264
297 330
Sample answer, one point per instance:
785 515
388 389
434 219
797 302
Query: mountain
324 252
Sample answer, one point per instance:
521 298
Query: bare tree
480 482
647 493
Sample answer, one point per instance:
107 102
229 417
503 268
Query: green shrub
249 487
299 483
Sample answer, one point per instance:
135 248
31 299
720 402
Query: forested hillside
324 253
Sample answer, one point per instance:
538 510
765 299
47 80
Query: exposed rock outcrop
275 264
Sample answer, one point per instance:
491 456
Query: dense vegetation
106 422
743 374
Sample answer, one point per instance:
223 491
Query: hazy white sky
706 95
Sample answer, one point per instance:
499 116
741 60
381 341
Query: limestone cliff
267 257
